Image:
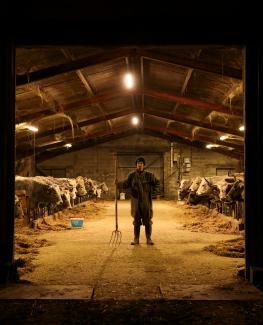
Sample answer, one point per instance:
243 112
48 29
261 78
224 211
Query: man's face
140 166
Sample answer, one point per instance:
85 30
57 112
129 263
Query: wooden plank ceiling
76 95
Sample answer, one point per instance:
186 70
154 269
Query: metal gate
154 164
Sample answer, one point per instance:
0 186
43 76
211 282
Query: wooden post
7 161
253 163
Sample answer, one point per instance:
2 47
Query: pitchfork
116 234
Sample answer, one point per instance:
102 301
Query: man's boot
148 233
136 235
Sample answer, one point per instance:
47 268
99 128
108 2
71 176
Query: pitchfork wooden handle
116 193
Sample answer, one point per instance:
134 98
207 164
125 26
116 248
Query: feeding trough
76 222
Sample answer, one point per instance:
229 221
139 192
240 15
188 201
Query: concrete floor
80 263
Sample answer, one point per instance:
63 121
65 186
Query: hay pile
27 243
27 247
230 248
201 218
61 220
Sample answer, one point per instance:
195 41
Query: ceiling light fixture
209 146
135 120
68 145
242 128
129 80
32 128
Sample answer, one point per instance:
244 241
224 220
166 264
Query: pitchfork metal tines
115 238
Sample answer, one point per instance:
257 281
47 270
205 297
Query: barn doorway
160 123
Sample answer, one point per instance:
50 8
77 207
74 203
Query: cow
63 188
95 189
236 192
38 190
81 190
218 185
101 188
69 184
184 188
18 208
192 190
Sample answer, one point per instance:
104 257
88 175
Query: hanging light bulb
242 128
68 145
32 128
129 80
135 120
209 146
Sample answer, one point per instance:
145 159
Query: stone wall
98 162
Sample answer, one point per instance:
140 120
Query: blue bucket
76 222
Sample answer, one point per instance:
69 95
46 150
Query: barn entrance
179 120
174 115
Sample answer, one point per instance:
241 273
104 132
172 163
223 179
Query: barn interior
90 112
190 98
75 116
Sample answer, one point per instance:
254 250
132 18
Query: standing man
142 186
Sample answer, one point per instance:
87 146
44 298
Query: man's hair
140 159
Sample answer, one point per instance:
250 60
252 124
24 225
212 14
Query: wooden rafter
86 84
42 154
80 124
186 135
193 102
101 58
174 117
194 64
146 92
114 54
186 120
184 86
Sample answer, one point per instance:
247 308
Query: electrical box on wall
187 165
175 157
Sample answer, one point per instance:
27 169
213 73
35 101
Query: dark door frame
145 30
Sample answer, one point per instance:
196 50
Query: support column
7 160
253 163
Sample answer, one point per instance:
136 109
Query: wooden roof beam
146 92
188 136
186 120
193 102
84 80
94 138
174 117
98 119
53 71
194 64
44 155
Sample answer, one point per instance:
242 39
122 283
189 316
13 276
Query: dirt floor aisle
175 267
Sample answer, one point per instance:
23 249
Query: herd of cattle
54 194
226 193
